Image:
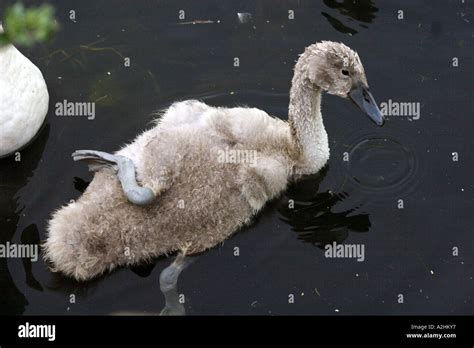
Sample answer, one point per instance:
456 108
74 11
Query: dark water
408 251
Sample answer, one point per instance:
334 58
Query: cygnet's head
336 69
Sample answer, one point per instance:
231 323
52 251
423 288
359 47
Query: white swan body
24 99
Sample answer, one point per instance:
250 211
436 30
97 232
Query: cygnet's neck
306 125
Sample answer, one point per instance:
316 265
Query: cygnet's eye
345 72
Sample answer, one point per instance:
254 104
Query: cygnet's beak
362 97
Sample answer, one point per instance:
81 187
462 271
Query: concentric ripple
379 166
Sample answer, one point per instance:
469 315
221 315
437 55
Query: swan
24 99
173 190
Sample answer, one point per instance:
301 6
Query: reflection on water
143 270
14 176
30 236
310 213
360 10
168 285
68 286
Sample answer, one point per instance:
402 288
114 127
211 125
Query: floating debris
198 21
244 17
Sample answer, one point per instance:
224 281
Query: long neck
306 124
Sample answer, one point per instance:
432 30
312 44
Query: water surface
408 251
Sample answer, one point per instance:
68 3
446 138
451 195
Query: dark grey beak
362 97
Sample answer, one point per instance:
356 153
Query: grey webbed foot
125 170
169 285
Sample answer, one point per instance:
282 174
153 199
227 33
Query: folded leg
125 170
